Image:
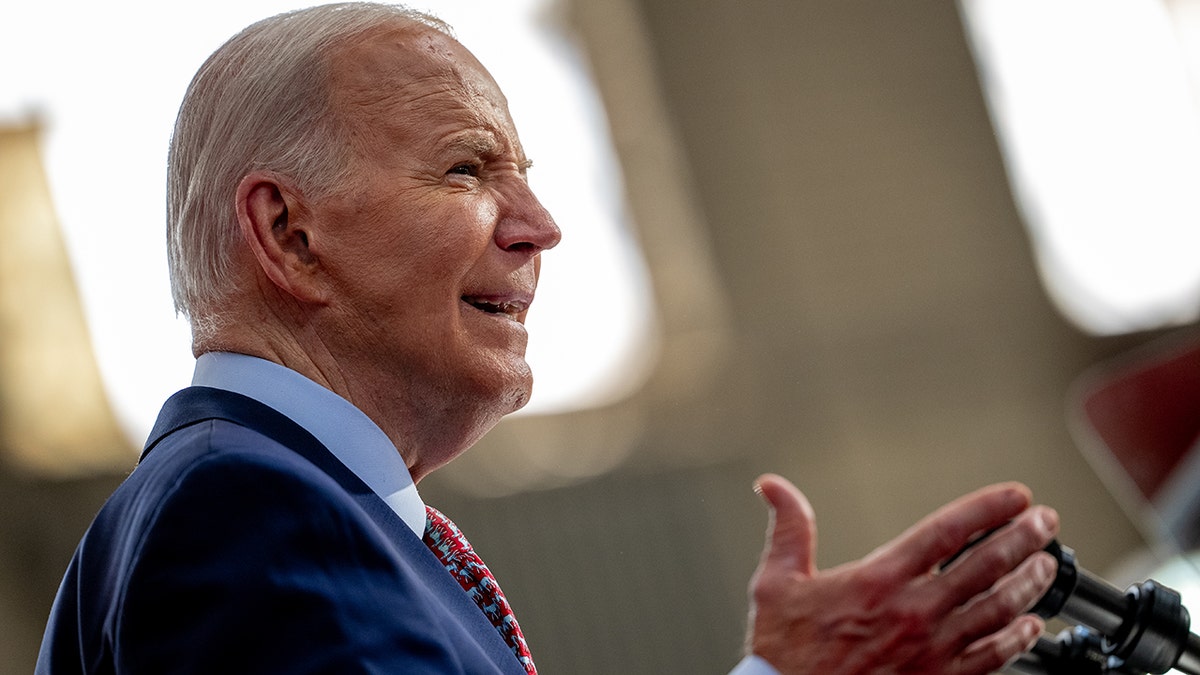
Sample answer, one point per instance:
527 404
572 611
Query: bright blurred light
1182 574
1097 116
107 79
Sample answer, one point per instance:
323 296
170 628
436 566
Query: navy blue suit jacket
240 544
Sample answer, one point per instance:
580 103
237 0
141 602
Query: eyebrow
477 142
484 144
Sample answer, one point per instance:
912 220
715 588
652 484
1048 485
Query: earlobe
269 214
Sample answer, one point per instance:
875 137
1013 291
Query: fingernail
1045 567
1029 633
1047 521
757 485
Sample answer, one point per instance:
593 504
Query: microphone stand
1145 629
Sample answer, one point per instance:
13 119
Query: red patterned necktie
455 552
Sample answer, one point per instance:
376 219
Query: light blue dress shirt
753 665
347 432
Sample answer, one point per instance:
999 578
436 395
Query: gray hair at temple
260 102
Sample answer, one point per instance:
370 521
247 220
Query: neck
428 427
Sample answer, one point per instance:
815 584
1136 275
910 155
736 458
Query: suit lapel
198 404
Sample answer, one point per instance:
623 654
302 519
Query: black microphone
1145 628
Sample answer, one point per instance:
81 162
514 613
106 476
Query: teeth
494 307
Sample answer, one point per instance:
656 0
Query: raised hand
898 610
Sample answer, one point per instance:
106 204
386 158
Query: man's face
433 246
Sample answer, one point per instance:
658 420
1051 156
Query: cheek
485 212
462 236
424 246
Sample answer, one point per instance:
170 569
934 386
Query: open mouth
510 308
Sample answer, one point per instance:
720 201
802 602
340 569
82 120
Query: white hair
261 101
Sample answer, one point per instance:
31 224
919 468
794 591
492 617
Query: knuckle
949 539
763 587
999 559
990 658
768 586
761 593
995 613
912 621
879 577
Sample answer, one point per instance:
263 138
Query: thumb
792 530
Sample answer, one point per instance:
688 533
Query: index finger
947 530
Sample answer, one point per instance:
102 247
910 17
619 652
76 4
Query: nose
525 225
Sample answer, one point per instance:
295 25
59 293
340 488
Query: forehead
413 82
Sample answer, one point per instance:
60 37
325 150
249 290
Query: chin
520 398
505 389
516 395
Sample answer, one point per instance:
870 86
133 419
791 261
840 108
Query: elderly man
353 239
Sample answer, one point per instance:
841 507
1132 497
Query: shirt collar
342 428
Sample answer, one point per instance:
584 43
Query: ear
270 213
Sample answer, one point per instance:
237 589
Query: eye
465 169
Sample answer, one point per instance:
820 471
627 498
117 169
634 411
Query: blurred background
894 251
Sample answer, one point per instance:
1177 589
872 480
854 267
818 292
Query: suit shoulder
205 481
231 549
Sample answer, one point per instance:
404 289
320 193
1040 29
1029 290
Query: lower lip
512 318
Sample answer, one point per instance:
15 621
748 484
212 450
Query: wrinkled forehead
411 78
